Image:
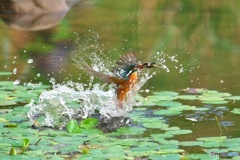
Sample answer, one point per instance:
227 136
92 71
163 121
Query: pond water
199 39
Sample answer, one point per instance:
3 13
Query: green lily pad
188 97
236 111
155 124
7 103
168 103
89 123
215 102
155 98
190 143
128 131
73 127
215 94
178 132
6 83
233 98
202 157
166 93
167 112
212 139
147 103
211 144
23 94
165 156
5 73
159 137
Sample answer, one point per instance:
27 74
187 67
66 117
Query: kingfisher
126 74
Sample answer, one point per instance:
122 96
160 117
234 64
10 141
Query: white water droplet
15 71
30 61
16 82
52 80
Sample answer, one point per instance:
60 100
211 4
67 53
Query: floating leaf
214 102
212 139
178 132
3 120
129 131
5 73
167 112
155 98
147 103
215 94
202 156
190 143
165 157
187 97
7 103
6 83
236 111
73 127
233 98
166 93
155 124
168 103
211 144
89 123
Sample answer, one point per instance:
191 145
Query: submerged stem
219 126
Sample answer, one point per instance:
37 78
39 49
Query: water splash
77 100
73 100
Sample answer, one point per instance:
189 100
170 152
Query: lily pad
167 112
89 123
7 103
168 103
190 143
233 98
212 139
165 156
236 111
128 131
178 132
73 127
187 97
5 73
166 93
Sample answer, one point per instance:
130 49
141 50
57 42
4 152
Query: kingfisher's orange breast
124 87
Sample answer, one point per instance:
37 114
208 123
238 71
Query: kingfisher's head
127 65
131 68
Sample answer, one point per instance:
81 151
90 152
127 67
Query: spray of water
77 100
73 100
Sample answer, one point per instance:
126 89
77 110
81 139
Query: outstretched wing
102 76
127 59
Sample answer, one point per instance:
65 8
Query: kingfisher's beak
146 65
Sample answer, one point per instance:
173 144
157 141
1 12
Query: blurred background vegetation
202 34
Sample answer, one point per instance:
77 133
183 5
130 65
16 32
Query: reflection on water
33 15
